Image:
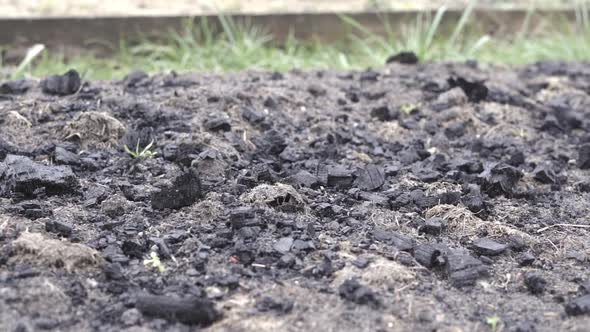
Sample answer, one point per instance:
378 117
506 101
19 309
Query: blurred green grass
235 47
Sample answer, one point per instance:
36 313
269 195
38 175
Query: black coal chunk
134 78
400 241
184 191
22 175
474 200
383 113
371 177
535 283
271 304
61 85
251 115
432 226
339 177
488 247
283 245
275 141
192 311
428 255
544 174
578 306
463 269
404 57
59 227
470 166
65 157
244 217
525 259
304 179
217 123
475 91
352 290
584 156
499 178
15 87
6 149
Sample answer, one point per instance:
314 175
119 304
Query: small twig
562 225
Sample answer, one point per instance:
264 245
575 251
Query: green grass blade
462 22
32 53
432 30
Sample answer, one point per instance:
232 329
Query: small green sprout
155 262
493 321
409 108
140 154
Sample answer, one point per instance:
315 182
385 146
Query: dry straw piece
463 223
35 248
95 129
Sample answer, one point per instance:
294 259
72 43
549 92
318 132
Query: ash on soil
419 197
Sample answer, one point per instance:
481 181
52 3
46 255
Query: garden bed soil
429 197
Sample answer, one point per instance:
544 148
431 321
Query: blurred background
107 39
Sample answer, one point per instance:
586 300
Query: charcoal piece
584 156
352 290
251 115
304 179
475 91
525 259
428 255
404 57
470 166
59 227
371 177
578 306
400 241
184 191
316 91
283 245
287 261
65 157
535 283
15 87
270 304
361 262
243 217
133 249
369 75
22 175
383 113
455 130
290 154
488 247
61 85
432 226
339 177
192 311
375 198
134 78
217 123
499 179
474 200
463 269
545 174
275 142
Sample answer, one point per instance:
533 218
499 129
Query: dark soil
437 197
